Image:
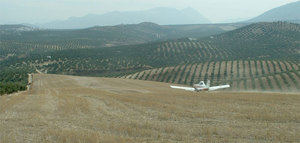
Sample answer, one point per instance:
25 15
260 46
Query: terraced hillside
251 75
259 57
263 40
226 58
19 40
263 66
23 48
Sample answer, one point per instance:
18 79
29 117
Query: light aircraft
201 87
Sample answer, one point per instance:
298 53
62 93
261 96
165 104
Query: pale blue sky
41 11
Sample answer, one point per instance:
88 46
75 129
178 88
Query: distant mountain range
161 15
169 16
289 12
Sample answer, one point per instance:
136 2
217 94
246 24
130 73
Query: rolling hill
160 15
260 56
289 12
21 40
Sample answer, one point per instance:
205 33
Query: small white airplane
201 87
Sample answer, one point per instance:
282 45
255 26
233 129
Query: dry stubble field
85 109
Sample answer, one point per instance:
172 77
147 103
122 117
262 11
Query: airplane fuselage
201 89
201 86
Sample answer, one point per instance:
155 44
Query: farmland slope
288 12
69 109
260 56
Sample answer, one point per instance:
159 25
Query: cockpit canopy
200 85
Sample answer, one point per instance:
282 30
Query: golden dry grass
85 109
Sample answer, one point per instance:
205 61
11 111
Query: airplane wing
185 88
218 87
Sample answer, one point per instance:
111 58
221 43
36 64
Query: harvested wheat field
86 109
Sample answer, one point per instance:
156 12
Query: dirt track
85 109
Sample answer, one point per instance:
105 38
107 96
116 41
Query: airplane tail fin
208 83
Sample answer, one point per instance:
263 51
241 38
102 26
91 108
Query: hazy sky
41 11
